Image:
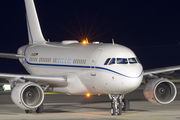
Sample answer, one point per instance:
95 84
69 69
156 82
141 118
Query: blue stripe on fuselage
118 72
76 66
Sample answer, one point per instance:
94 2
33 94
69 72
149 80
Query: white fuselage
85 66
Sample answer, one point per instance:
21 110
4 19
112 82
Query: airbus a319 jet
74 68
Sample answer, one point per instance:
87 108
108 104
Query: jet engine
160 91
27 95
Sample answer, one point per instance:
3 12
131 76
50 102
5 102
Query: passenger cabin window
113 61
107 61
122 61
132 60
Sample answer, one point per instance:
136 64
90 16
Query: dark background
150 28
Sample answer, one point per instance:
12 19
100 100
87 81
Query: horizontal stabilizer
11 56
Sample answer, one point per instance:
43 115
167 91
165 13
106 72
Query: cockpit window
112 61
107 61
138 60
132 60
122 61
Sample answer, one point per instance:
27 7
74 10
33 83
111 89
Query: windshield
112 61
132 60
107 61
122 61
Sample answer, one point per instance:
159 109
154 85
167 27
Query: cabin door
93 62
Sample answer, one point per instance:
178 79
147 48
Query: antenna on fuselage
113 41
48 41
87 40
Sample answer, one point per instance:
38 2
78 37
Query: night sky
149 27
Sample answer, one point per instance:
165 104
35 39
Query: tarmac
65 107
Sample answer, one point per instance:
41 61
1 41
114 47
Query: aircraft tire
40 109
113 110
28 111
119 109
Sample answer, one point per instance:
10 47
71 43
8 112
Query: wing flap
58 81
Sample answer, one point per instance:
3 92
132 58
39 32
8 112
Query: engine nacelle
160 91
27 95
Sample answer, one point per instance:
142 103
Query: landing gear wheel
113 110
119 109
126 104
117 104
40 109
28 111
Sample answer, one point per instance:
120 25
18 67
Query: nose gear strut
118 104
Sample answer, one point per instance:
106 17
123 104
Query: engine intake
160 91
27 95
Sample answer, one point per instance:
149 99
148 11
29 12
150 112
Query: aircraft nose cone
133 71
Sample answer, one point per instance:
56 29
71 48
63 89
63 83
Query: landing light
88 95
84 42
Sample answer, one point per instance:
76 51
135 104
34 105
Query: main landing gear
118 104
38 110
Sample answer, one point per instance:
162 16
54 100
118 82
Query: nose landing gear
118 104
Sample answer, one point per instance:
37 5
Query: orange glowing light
88 95
84 42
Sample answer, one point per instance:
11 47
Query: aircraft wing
11 56
162 70
51 80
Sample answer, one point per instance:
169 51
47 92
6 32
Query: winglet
34 29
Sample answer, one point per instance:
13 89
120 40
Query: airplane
75 68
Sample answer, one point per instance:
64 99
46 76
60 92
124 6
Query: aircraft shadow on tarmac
54 111
56 108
